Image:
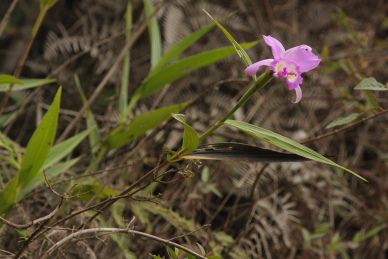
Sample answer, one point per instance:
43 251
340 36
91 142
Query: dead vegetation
235 209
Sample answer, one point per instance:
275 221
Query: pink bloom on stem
289 64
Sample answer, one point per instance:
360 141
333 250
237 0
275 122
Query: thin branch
345 128
36 232
72 236
36 221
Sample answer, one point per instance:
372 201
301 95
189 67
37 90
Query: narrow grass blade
40 143
240 50
154 32
139 125
8 196
7 79
59 151
123 97
181 46
94 136
190 136
285 143
180 68
26 84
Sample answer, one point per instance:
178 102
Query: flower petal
277 47
303 57
252 69
298 92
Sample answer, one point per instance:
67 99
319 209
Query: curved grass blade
241 152
180 68
285 143
181 46
190 136
240 50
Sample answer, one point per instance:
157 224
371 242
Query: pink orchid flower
287 63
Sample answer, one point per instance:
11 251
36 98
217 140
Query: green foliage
181 46
7 79
371 84
40 143
240 50
285 143
190 136
343 120
47 4
35 156
172 253
13 157
182 67
23 84
94 136
360 237
123 98
139 125
154 32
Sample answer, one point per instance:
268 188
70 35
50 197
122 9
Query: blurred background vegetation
233 209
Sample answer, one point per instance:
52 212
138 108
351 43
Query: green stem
262 81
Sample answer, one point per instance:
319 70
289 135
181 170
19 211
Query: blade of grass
181 46
94 136
40 143
26 84
285 143
154 32
123 97
181 68
240 50
126 133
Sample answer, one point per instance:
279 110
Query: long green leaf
7 79
26 84
240 50
123 98
8 196
180 68
190 136
285 143
62 149
154 32
181 46
139 125
40 143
